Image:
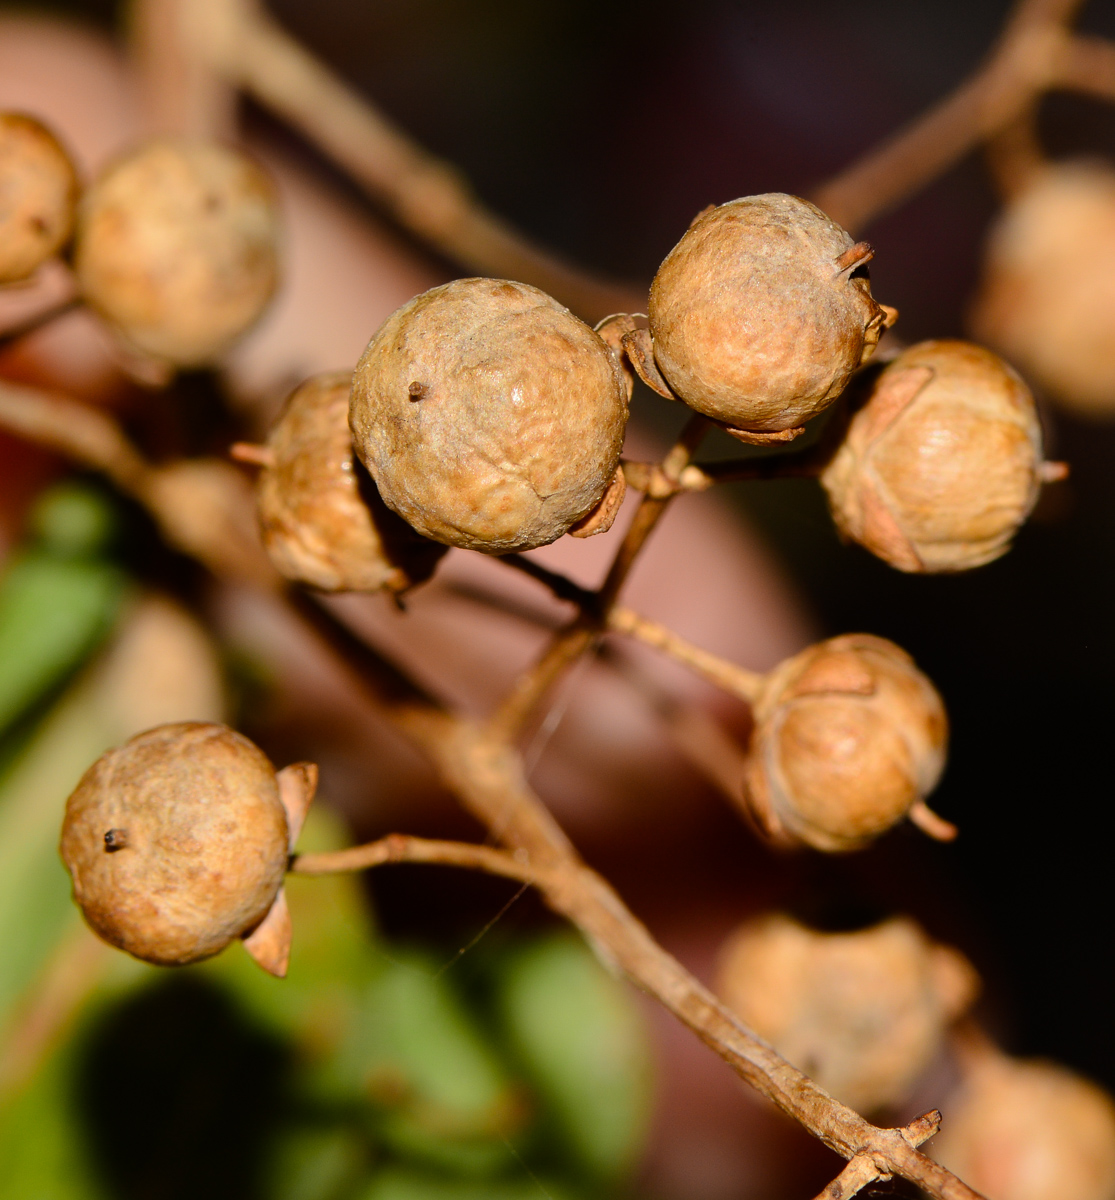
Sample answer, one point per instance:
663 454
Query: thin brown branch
424 194
582 633
1027 60
1088 66
727 675
182 93
561 585
863 1169
486 773
401 848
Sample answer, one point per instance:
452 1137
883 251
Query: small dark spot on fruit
417 391
115 839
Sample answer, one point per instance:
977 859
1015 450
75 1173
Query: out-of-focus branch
424 194
1029 58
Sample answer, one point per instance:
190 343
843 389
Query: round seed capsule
762 311
177 247
489 416
321 518
942 464
849 737
862 1013
38 196
176 842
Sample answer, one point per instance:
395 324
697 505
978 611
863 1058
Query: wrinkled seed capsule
321 518
762 311
1047 296
176 842
942 464
1024 1130
849 736
38 196
862 1013
489 416
177 247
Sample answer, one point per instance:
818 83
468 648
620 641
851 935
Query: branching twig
401 848
486 773
1030 57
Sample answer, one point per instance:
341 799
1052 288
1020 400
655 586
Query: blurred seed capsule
1026 1130
177 247
762 311
1048 290
862 1013
849 737
943 463
321 518
177 843
491 417
38 196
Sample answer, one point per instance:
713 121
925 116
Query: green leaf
54 612
579 1036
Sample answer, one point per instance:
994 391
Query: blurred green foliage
374 1071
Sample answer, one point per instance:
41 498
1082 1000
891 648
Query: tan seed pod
489 416
1048 290
38 196
1020 1130
177 247
849 737
762 311
943 463
321 523
862 1013
177 843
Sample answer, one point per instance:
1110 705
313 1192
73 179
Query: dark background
601 128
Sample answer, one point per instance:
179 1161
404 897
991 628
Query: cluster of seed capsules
484 415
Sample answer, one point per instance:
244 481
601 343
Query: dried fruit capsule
1022 1130
38 196
862 1013
1048 287
762 311
177 246
177 842
849 736
942 464
489 416
321 523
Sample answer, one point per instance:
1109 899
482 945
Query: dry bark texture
1030 1131
320 517
849 735
943 462
38 196
863 1013
1048 289
177 842
489 416
755 322
177 247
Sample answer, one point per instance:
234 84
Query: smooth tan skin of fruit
177 247
1021 1130
318 526
205 842
940 467
489 416
848 735
863 1013
1048 289
38 196
753 322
